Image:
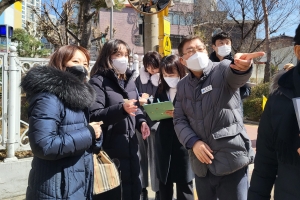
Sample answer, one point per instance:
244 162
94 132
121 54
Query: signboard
167 46
167 27
110 3
3 44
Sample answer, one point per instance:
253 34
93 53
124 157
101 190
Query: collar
145 77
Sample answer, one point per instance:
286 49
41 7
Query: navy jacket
59 135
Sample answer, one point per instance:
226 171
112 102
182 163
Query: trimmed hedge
253 104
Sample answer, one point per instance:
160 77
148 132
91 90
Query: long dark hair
65 53
169 64
104 62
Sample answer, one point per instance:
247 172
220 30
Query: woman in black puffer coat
113 82
60 136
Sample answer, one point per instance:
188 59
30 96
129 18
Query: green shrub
253 104
252 109
259 90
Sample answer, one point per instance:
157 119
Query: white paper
296 102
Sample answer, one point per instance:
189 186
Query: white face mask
224 50
120 64
172 81
197 62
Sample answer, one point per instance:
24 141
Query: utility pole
150 33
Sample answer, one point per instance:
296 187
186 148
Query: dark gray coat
214 117
120 141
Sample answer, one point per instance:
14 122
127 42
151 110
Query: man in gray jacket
208 121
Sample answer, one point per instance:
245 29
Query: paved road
251 130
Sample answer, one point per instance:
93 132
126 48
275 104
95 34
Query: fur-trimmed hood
67 87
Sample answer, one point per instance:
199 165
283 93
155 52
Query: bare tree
6 3
245 20
75 19
267 74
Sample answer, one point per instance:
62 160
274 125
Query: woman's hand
129 106
145 130
97 128
170 113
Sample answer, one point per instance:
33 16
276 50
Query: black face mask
79 71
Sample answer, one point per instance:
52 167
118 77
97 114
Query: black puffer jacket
277 161
120 141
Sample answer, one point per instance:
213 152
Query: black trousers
184 191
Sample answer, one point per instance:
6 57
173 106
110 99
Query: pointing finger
249 56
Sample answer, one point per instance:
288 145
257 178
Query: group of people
72 117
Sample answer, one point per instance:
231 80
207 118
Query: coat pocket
231 150
199 168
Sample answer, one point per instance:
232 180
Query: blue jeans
229 187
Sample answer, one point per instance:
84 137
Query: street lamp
110 4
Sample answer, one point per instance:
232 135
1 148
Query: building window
182 20
175 19
176 39
189 19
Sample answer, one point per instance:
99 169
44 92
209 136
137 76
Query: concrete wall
14 177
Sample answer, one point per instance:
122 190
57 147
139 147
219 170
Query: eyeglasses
192 51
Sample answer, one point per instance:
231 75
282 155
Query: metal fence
13 135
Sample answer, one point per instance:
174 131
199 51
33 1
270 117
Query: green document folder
156 111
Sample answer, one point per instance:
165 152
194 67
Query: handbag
106 175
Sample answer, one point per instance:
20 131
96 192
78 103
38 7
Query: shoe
157 196
144 194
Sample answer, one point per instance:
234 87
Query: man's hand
243 61
203 152
145 130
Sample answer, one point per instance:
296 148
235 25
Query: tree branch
67 29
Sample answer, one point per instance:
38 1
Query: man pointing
208 121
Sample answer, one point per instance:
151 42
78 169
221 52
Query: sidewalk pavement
252 132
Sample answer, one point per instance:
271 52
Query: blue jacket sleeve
46 139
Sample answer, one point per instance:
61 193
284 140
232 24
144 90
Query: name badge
206 89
